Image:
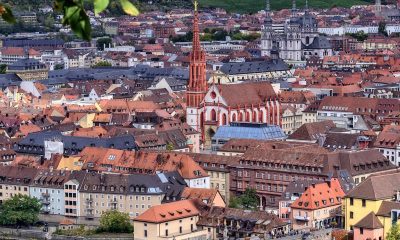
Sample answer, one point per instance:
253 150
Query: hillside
239 6
242 6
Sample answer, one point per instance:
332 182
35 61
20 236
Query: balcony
89 215
114 201
302 218
89 200
45 201
46 210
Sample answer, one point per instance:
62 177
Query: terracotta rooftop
320 195
169 212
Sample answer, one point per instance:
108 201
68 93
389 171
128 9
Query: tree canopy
248 200
394 233
20 210
74 13
115 222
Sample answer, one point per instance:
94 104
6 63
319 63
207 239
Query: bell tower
197 87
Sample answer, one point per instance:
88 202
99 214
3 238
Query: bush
115 222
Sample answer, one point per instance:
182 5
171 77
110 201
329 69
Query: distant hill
251 6
239 6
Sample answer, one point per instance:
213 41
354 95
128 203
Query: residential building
217 167
319 206
388 143
372 195
211 197
48 187
29 69
176 220
15 180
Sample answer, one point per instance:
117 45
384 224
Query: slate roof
319 42
312 131
377 187
26 64
370 221
385 210
72 144
254 67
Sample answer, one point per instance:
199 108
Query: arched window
307 40
240 118
255 116
213 115
248 117
223 119
234 117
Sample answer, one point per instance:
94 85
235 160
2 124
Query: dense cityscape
199 123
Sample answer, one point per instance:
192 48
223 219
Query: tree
102 64
170 147
75 14
59 66
382 29
394 233
3 68
20 210
101 42
115 222
248 200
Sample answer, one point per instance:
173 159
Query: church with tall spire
197 87
297 40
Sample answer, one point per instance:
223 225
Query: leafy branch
75 14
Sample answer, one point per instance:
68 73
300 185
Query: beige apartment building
176 220
15 180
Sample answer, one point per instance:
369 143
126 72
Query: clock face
213 95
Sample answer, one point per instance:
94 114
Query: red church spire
197 80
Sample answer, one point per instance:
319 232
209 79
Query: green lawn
251 6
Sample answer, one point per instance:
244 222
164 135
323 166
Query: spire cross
196 4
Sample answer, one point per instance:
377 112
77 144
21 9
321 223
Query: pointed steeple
196 37
267 7
197 79
306 8
268 19
294 8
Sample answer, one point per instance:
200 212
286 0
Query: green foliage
6 13
183 38
101 41
115 222
59 66
394 233
360 36
382 29
247 6
75 15
20 210
170 147
248 200
102 64
247 37
81 231
3 68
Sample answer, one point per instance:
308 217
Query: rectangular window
351 215
351 201
361 231
166 232
364 202
145 233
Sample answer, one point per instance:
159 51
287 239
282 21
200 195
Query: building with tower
221 104
297 40
197 88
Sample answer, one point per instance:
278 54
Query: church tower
197 87
267 35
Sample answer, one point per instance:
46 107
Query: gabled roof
320 195
377 187
169 212
246 93
312 131
370 221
